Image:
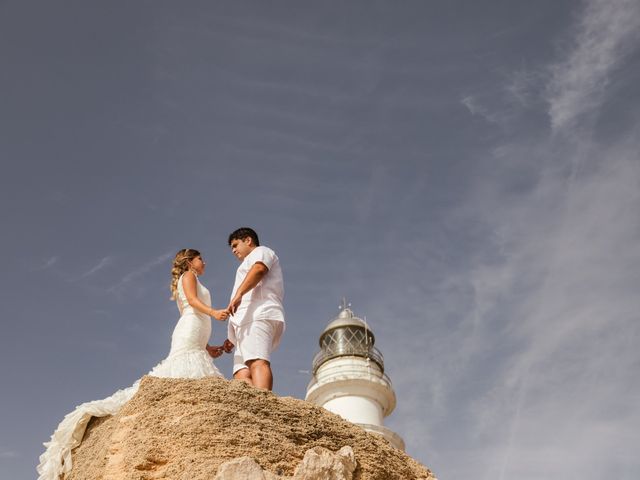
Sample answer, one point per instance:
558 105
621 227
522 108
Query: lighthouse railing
333 373
372 353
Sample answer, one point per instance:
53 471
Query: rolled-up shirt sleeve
262 255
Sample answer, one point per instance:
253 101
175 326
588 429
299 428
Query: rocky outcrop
317 464
213 428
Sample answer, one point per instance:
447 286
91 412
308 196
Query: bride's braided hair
181 264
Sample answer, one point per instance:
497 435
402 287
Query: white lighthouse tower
349 379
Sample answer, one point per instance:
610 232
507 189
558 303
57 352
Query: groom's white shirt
264 301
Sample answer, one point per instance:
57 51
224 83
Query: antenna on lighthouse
344 305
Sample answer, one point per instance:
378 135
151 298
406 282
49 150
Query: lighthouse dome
347 336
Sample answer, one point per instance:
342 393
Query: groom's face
242 248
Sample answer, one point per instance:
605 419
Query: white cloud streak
104 262
47 264
9 454
522 87
475 108
607 32
138 272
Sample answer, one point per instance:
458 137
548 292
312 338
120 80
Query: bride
189 357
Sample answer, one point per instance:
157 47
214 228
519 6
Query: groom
257 321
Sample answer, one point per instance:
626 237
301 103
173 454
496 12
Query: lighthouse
348 376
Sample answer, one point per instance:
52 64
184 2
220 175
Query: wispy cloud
573 270
104 262
46 264
531 352
8 454
139 272
523 86
475 107
608 30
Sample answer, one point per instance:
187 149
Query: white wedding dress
187 358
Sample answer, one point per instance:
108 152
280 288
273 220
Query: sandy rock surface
186 429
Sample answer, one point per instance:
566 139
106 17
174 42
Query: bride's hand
221 315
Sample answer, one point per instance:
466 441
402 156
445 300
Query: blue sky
465 173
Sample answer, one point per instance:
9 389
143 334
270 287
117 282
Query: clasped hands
216 350
220 315
231 309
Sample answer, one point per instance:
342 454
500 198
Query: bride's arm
189 283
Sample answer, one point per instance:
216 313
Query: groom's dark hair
244 232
